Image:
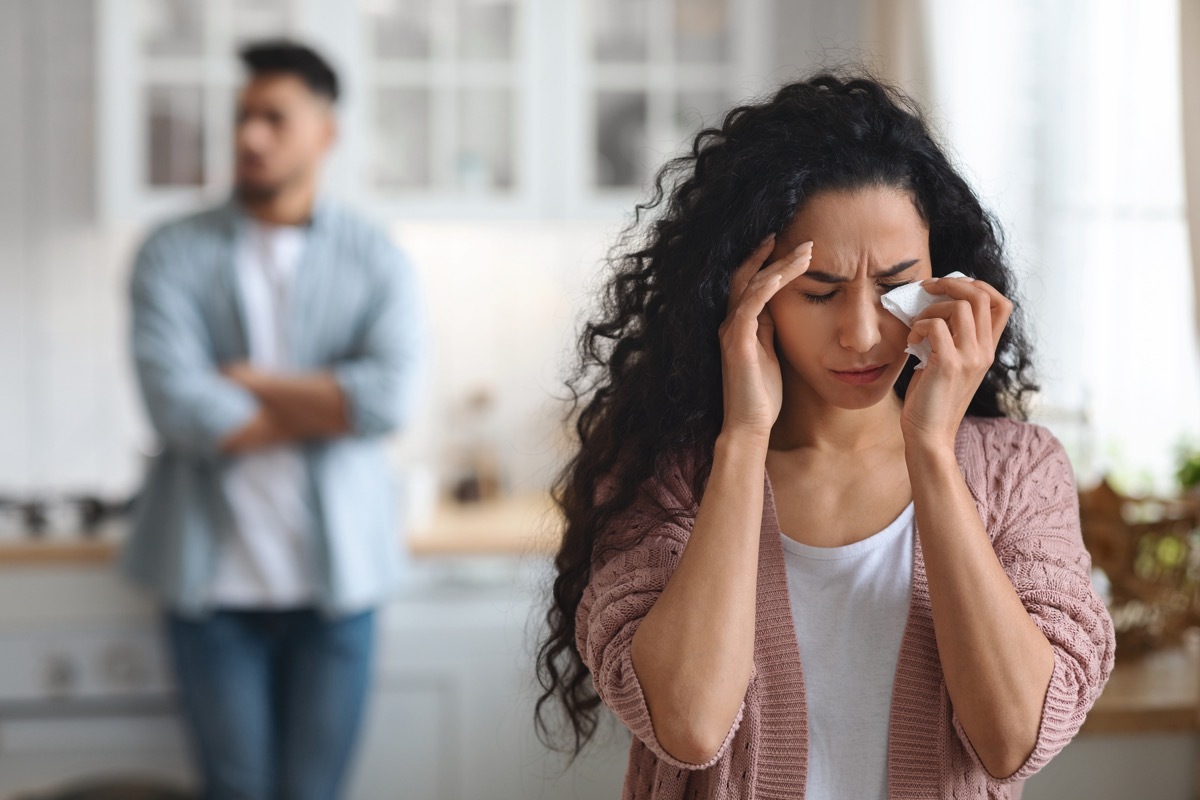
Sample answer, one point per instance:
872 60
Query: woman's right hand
751 379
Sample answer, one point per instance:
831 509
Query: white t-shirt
850 605
262 563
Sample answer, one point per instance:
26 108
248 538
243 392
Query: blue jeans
274 699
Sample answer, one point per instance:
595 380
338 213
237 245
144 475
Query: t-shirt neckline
895 528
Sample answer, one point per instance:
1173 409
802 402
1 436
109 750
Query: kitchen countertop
515 525
1158 693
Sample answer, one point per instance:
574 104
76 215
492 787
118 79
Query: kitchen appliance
58 514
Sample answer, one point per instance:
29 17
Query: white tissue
906 302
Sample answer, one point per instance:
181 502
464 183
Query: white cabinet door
408 733
40 753
451 713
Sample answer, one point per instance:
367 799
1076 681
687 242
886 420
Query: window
1068 115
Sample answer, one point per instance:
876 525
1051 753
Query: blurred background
504 144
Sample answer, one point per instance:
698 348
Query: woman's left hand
963 333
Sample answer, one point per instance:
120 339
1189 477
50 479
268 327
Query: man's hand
243 374
292 407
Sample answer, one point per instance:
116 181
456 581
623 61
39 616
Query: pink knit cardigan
1023 486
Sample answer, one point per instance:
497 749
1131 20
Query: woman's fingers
748 319
937 332
763 286
766 330
748 268
749 325
991 309
960 318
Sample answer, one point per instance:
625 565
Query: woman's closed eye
825 298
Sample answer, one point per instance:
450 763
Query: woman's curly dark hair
647 384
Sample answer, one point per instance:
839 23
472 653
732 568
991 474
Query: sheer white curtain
1066 115
897 34
1189 45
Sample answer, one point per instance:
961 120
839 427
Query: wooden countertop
1158 693
52 548
508 526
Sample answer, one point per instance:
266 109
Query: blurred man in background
277 339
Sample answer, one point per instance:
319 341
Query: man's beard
252 193
257 193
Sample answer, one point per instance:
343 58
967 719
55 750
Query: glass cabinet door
622 119
259 19
446 98
172 28
620 31
402 139
453 107
702 31
174 135
659 71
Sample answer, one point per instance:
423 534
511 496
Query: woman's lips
861 376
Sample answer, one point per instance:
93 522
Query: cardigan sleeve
1034 510
623 588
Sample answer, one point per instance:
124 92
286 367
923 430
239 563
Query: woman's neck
827 429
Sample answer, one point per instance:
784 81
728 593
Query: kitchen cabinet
470 108
450 714
84 686
452 709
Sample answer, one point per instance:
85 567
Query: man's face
283 131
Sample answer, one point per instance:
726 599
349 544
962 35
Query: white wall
65 410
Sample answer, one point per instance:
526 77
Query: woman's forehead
858 213
874 225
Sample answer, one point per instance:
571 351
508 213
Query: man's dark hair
290 58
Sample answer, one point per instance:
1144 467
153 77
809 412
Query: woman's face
829 322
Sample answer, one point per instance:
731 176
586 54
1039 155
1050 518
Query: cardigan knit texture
1024 489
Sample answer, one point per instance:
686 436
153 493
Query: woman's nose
859 321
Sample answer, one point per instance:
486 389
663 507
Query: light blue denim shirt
355 312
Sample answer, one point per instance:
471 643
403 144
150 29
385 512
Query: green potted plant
1188 473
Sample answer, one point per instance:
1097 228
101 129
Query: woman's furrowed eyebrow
826 277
